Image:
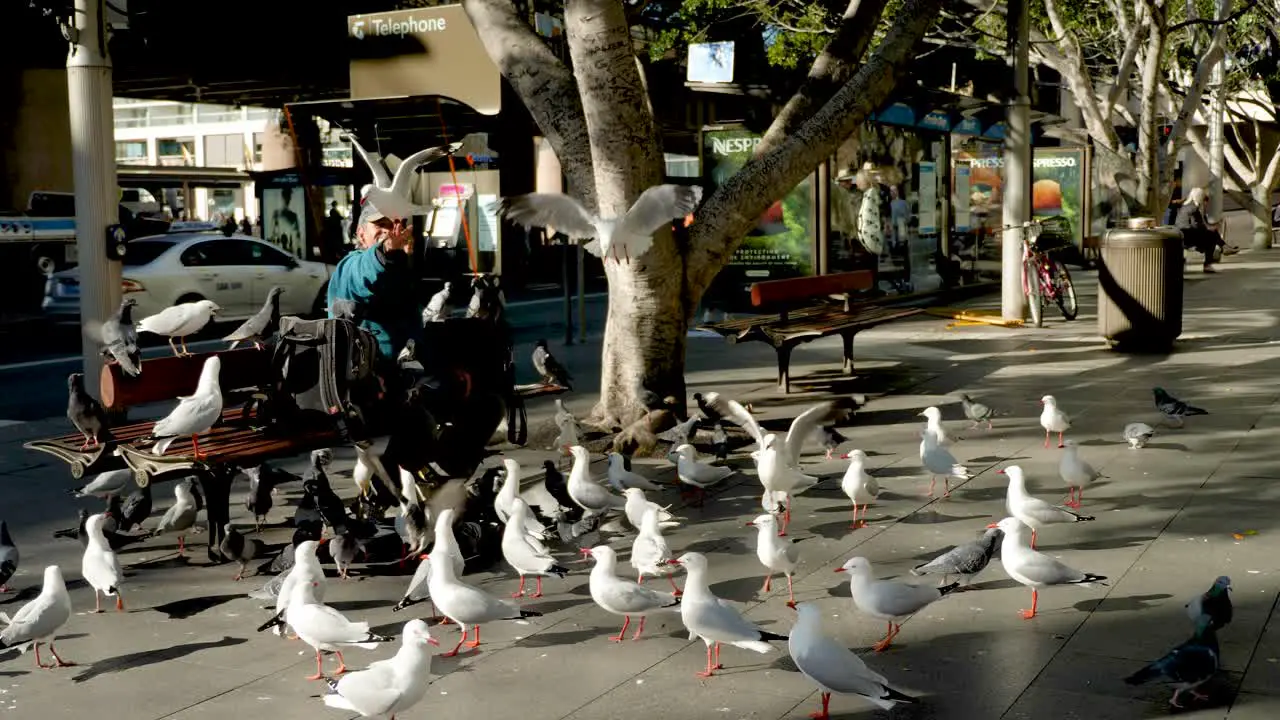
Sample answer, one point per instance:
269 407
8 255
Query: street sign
116 241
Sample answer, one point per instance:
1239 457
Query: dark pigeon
831 439
1173 408
258 499
86 413
550 371
111 523
307 512
240 549
283 561
8 557
1214 603
120 339
976 411
135 509
1187 666
262 324
964 560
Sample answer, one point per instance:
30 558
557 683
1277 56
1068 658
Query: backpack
325 376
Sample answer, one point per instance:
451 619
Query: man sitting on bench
375 278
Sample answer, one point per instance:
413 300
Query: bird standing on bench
262 324
549 368
180 321
86 413
120 339
195 413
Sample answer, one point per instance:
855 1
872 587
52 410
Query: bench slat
770 292
165 378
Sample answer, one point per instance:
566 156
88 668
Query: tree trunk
1260 210
1147 164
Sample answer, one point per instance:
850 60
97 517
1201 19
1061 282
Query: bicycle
1043 277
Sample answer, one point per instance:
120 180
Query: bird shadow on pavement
188 607
1100 544
1167 446
21 596
354 605
996 459
14 673
552 639
720 544
897 471
132 661
1002 584
933 517
547 607
838 530
1112 604
1098 442
744 586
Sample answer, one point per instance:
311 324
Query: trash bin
1140 288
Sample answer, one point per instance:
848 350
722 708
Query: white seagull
1052 419
833 667
39 620
715 621
446 545
779 478
807 424
591 496
324 628
195 414
629 236
859 485
714 404
1035 569
99 566
1076 473
637 505
179 321
1032 511
698 475
650 555
887 600
623 479
391 195
508 493
104 485
180 517
933 423
623 597
388 686
777 556
526 555
468 605
306 570
939 461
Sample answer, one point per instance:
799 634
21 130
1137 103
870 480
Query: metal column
94 172
1017 162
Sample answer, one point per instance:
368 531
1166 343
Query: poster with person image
284 221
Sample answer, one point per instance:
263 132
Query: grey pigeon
976 411
550 371
1174 409
1215 603
262 324
486 299
86 413
648 398
120 339
307 511
343 548
135 509
111 522
719 442
258 500
407 359
1138 434
242 550
8 557
1187 666
965 560
832 439
438 306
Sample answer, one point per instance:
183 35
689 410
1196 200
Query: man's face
393 234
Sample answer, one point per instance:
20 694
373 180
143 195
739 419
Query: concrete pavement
1167 520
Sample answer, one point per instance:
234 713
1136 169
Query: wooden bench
812 308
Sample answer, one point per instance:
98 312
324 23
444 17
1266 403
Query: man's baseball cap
369 213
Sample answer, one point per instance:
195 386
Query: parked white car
236 272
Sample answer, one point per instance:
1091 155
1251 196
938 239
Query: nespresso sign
427 51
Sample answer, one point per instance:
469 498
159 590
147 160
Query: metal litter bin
1140 289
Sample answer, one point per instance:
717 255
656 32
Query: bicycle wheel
1035 300
1064 292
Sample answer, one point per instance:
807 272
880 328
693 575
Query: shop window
131 152
176 152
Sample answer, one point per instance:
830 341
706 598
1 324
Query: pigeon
324 628
100 567
180 517
468 605
649 399
719 443
438 307
1138 435
833 667
418 589
777 556
623 597
258 499
86 413
1173 409
680 434
1035 569
240 549
120 339
780 478
525 555
592 497
888 600
860 486
933 418
698 475
104 485
330 506
650 554
390 195
112 521
1214 602
712 619
115 540
388 686
1032 511
1076 473
307 512
637 505
629 236
486 299
965 560
831 440
550 371
556 486
195 413
135 509
938 461
344 548
623 479
1188 665
1053 420
39 620
8 557
976 411
716 407
180 321
809 422
261 325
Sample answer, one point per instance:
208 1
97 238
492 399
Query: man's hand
400 237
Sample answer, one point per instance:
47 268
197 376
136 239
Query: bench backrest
165 378
791 290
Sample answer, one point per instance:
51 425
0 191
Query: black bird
329 505
650 399
486 299
712 415
115 540
113 512
307 513
283 561
1187 666
1214 603
8 557
262 324
719 442
136 509
85 413
242 550
549 368
1173 408
258 499
559 489
120 339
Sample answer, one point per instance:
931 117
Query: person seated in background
376 279
1196 232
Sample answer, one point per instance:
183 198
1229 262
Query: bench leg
216 486
784 369
847 339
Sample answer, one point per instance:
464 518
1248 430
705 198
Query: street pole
582 298
1016 203
94 172
1217 164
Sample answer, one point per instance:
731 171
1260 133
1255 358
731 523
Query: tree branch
1128 58
1216 22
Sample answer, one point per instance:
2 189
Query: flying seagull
391 195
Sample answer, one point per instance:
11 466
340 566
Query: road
38 358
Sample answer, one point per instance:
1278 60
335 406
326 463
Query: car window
218 253
138 254
264 254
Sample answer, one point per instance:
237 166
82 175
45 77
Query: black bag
325 376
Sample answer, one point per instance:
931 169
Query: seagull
468 605
717 407
833 667
104 485
777 556
712 619
859 485
1187 666
570 428
1032 511
418 590
86 413
809 422
180 517
1173 409
650 555
623 479
39 620
120 339
1215 602
1076 473
446 545
780 478
698 475
306 570
623 597
1138 434
388 686
391 195
262 324
939 461
965 560
242 550
324 628
525 555
8 557
933 418
195 414
504 499
100 567
550 371
976 411
631 234
592 497
180 321
1035 569
637 505
887 600
438 306
1053 420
